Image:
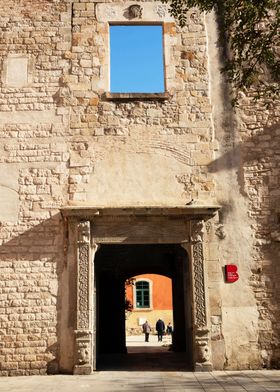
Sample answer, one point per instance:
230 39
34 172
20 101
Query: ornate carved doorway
89 230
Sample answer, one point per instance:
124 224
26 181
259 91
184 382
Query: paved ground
139 341
149 367
124 381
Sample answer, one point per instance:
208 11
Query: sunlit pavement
142 370
253 381
139 341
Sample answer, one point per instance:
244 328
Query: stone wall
33 181
246 171
64 141
259 143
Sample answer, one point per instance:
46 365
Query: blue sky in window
136 59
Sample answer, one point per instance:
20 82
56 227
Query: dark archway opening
116 263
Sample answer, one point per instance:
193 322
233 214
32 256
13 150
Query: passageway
113 265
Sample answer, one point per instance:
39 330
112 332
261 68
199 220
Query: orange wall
161 289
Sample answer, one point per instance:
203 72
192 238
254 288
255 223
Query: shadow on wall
256 161
31 264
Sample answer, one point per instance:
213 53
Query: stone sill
137 96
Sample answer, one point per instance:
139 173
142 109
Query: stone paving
148 367
148 381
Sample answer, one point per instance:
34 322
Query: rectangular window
142 294
136 59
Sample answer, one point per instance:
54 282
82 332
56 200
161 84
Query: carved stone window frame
152 13
143 95
104 225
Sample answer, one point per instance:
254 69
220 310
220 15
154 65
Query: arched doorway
148 298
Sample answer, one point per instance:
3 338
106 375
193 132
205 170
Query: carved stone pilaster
94 249
202 350
83 352
199 285
83 333
83 275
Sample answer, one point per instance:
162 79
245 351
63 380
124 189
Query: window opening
142 294
136 59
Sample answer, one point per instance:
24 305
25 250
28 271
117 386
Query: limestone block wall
245 315
259 145
64 141
126 139
33 181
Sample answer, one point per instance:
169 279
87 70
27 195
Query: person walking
146 329
160 327
169 329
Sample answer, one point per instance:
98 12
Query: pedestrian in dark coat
169 329
146 329
160 327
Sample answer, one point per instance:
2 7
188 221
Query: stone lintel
179 212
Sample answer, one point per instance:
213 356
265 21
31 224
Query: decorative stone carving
160 10
83 275
135 11
149 11
208 227
83 288
83 342
197 231
85 328
220 232
84 232
199 286
83 352
202 349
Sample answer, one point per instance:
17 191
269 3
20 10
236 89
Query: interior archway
116 263
148 297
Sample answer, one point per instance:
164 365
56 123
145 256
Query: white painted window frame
150 292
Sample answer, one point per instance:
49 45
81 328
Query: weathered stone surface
65 140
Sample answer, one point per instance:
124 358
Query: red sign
231 273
